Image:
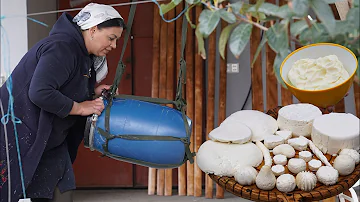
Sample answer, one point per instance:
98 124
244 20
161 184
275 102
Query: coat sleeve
56 65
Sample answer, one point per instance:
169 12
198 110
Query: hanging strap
121 66
179 103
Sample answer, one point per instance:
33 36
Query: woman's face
104 40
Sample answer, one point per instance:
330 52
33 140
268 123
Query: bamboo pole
182 169
222 103
271 81
190 102
155 85
170 56
198 114
256 71
162 93
210 103
286 95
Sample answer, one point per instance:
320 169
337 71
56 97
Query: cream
318 74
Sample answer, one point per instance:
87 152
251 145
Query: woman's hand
100 88
88 107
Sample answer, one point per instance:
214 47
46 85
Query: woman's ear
92 32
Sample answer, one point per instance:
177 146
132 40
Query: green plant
279 24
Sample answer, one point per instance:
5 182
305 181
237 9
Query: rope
10 112
7 154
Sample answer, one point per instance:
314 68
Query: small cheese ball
345 164
296 165
285 183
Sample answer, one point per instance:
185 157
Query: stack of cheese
299 127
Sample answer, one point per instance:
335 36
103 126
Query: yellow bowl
327 97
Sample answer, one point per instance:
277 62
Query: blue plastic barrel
134 117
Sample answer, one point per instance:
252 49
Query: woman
53 89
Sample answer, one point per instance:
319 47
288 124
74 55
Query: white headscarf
90 16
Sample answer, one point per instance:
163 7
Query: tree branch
254 23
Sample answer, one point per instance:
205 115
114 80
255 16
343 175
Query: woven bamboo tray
320 192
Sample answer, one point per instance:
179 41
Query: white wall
15 26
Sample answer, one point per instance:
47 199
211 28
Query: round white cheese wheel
271 141
278 170
222 158
314 164
286 183
260 124
280 159
344 164
296 165
306 155
236 133
327 175
298 118
335 131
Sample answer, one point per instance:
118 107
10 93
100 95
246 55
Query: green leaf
315 34
224 36
285 12
258 4
191 2
352 18
280 57
200 40
258 50
164 8
188 17
355 3
266 8
330 1
208 21
300 7
297 27
277 37
324 13
239 38
227 16
236 7
341 27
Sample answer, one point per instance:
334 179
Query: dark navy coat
51 75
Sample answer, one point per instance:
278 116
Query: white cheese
260 124
306 181
286 183
299 144
266 153
222 158
327 175
245 175
280 159
285 134
285 150
306 155
318 153
344 164
298 118
237 133
314 165
335 131
296 165
266 179
272 141
278 170
353 153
